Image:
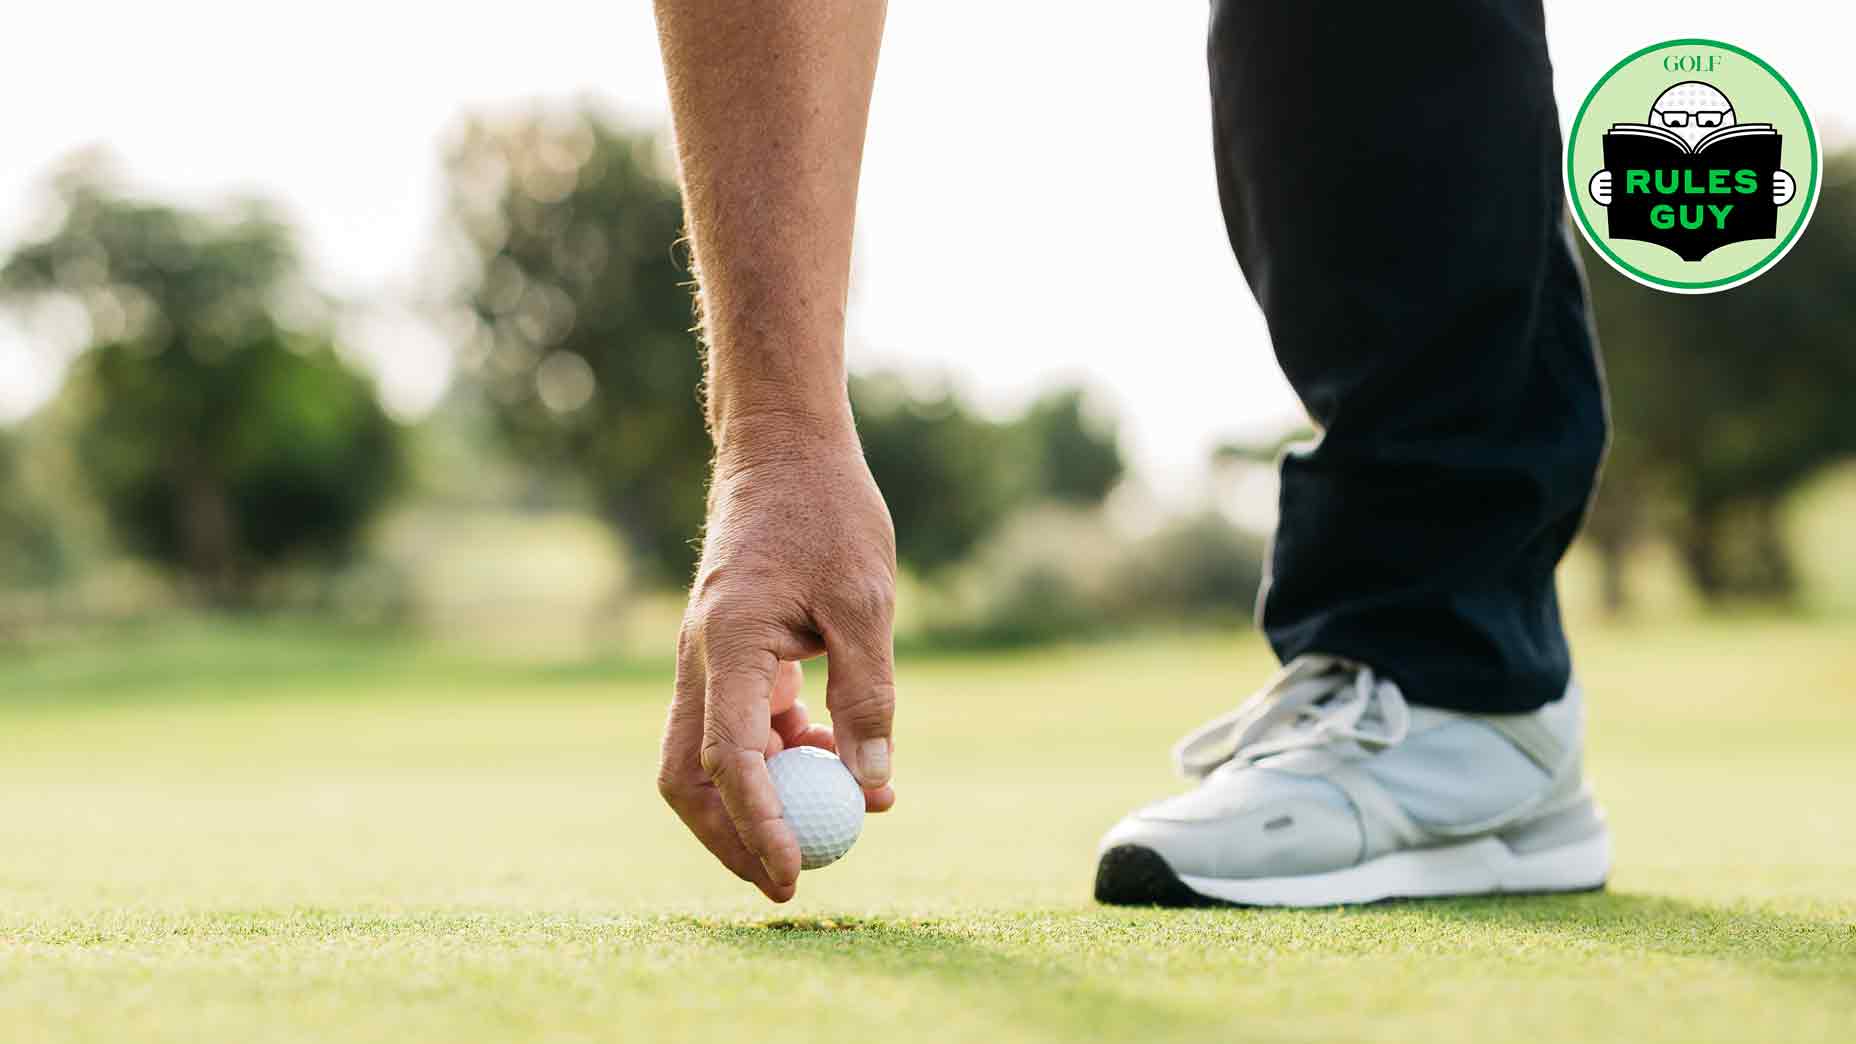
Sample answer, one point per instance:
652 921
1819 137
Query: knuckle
865 605
871 707
721 759
876 596
709 581
677 789
718 590
743 657
732 618
722 637
715 759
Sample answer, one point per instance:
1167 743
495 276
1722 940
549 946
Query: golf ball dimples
821 801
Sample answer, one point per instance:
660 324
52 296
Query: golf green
268 834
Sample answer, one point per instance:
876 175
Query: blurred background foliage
952 477
216 446
1726 404
32 554
580 335
211 416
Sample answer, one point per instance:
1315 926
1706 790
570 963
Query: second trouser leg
1389 176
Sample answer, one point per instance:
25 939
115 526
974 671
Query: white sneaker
1328 788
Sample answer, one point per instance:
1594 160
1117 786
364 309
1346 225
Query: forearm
770 102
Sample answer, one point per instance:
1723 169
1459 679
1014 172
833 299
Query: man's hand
799 559
770 100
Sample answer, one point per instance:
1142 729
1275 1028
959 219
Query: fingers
882 799
737 705
705 817
861 692
790 723
786 685
736 732
794 728
687 788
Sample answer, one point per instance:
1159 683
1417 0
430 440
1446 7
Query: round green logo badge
1692 166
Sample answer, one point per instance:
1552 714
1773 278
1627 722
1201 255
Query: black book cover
1743 147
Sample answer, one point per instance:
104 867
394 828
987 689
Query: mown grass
265 834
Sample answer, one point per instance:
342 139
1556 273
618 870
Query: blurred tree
1724 403
1630 503
31 551
951 476
1197 568
1074 458
219 440
583 341
944 471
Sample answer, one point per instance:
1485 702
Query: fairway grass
267 834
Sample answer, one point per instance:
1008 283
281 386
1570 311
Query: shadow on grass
1052 993
1073 943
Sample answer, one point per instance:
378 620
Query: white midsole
1479 867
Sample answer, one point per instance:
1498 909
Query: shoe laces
1314 701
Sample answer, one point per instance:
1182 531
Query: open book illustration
1692 199
1713 137
1692 178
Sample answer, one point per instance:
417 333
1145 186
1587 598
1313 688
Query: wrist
749 430
771 398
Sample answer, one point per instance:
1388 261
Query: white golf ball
821 801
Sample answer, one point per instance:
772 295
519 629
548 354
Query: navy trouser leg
1390 182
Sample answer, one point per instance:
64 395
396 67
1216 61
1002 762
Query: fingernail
873 762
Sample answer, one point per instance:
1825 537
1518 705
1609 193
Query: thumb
860 690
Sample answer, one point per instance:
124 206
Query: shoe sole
1134 875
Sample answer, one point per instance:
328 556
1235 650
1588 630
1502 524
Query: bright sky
1037 199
